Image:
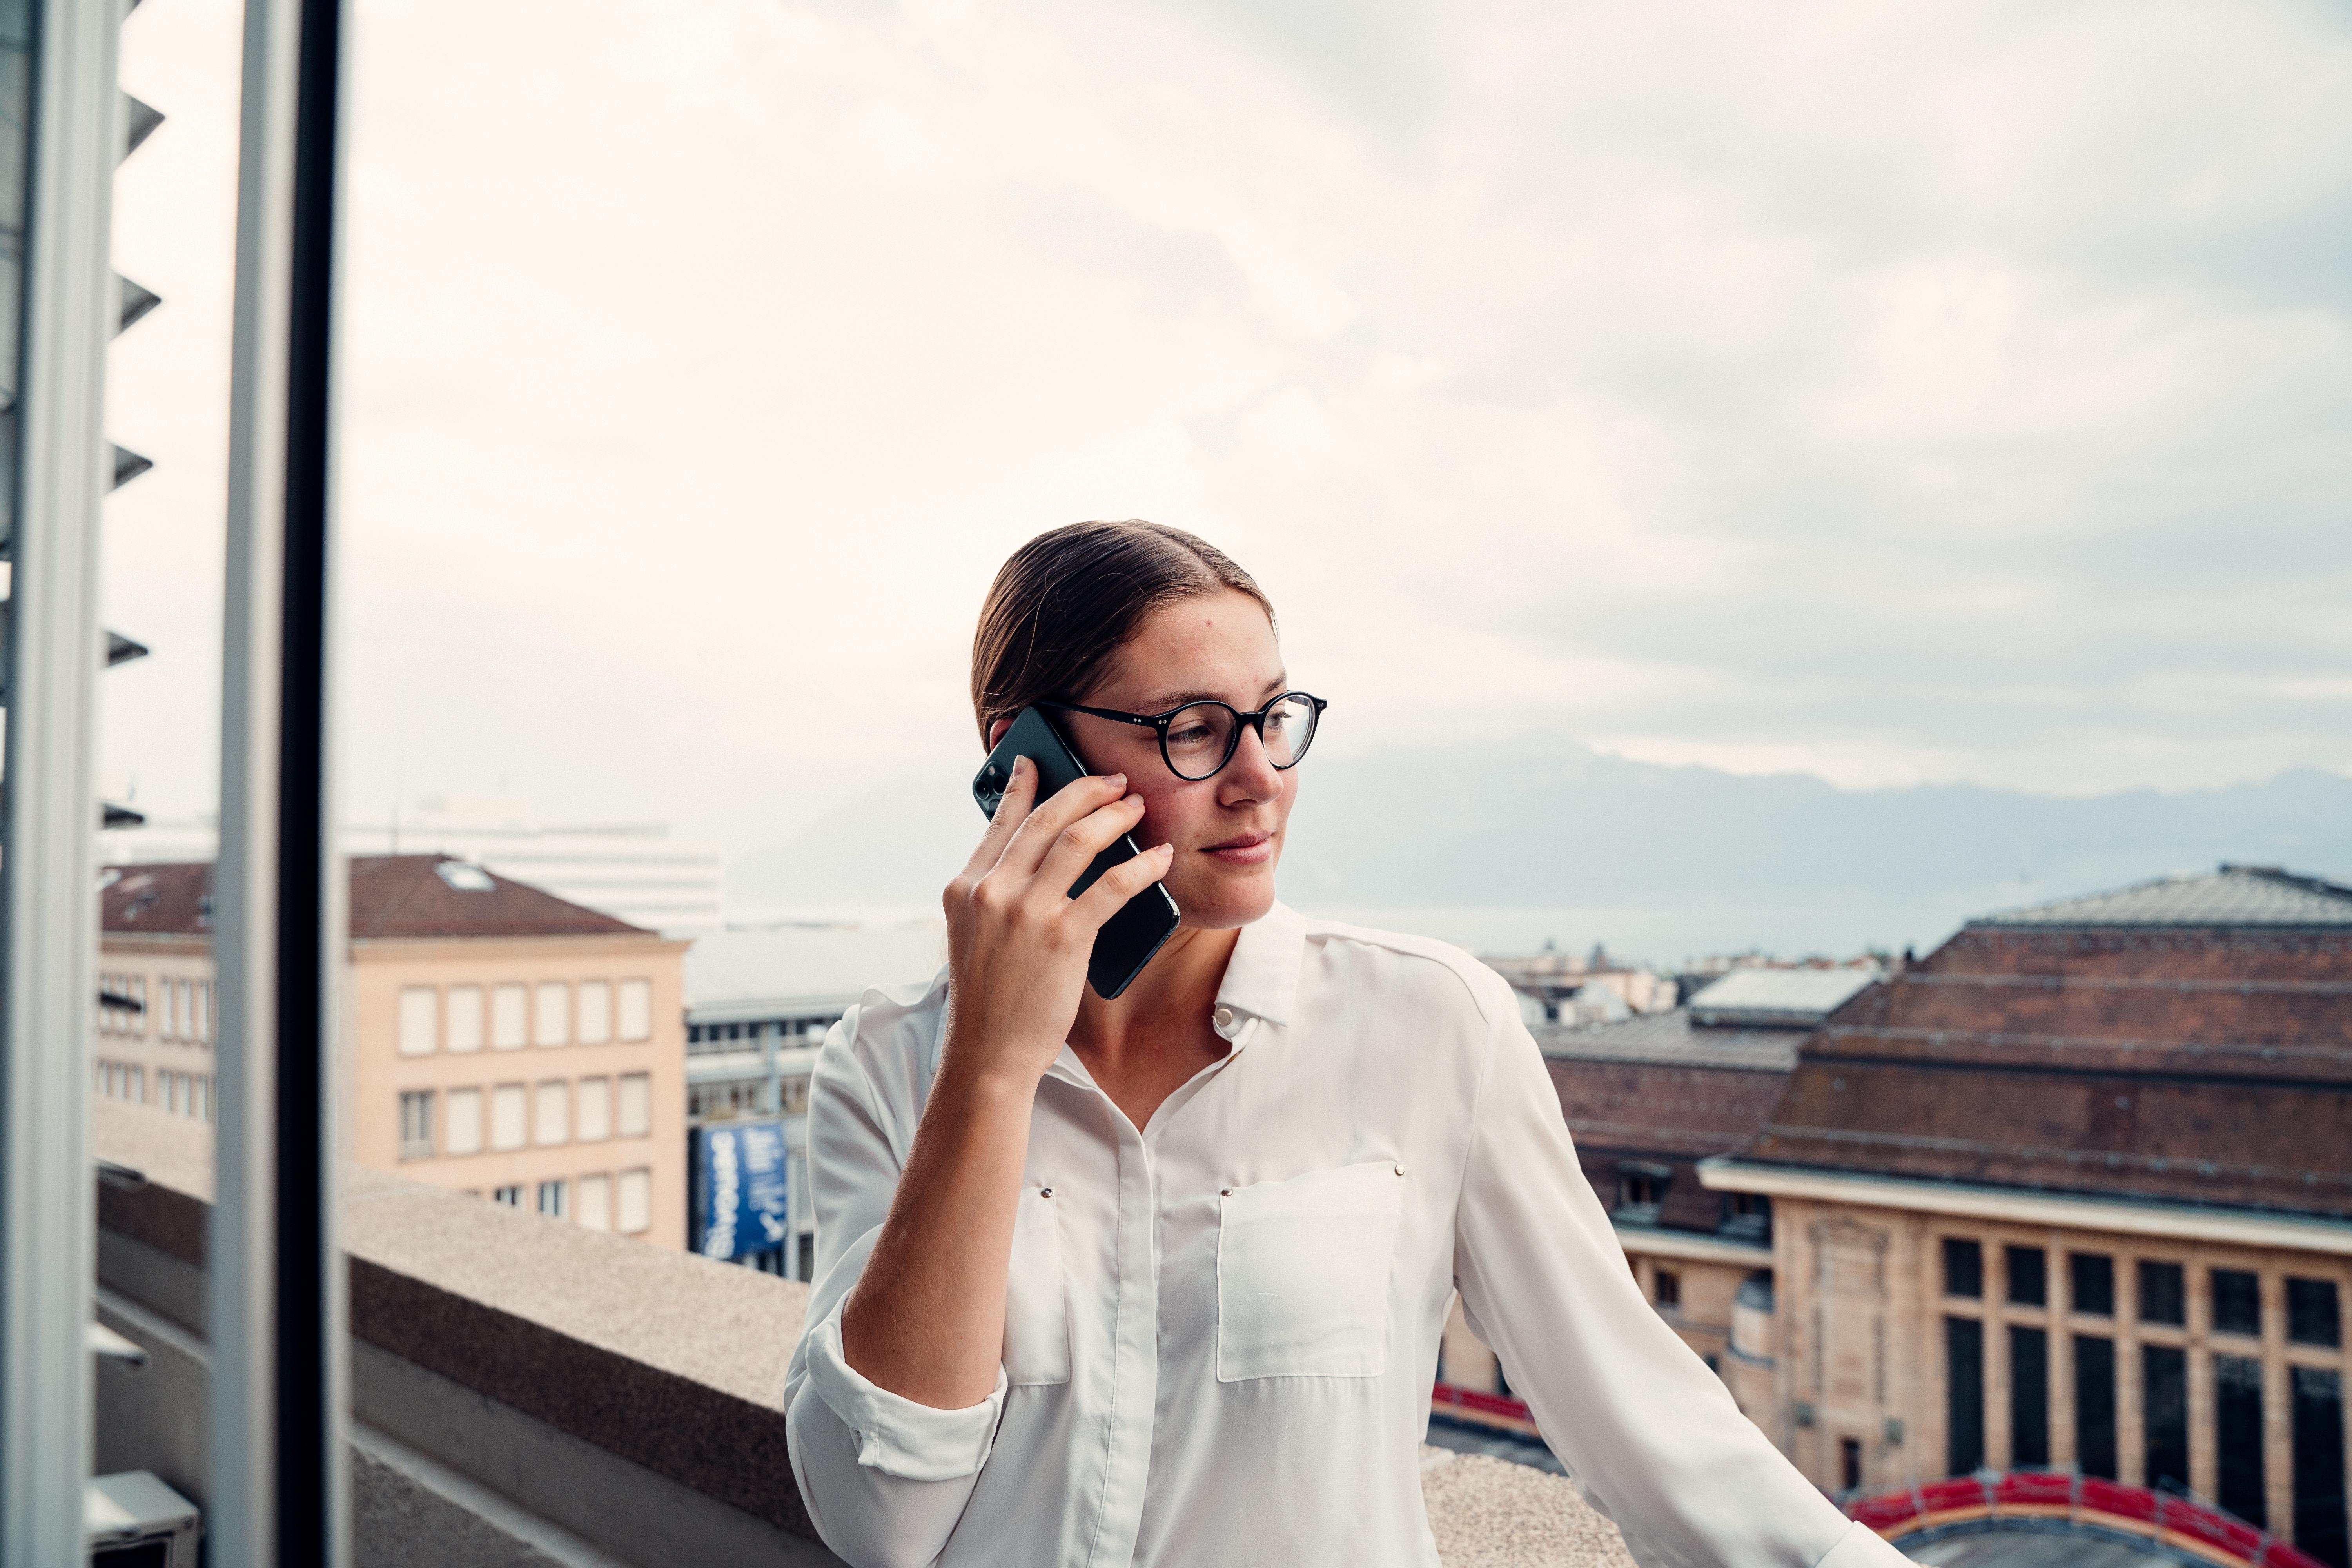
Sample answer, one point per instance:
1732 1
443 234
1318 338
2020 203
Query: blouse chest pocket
1303 1274
1036 1306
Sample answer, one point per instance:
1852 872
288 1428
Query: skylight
464 877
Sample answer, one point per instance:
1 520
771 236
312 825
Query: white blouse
1222 1330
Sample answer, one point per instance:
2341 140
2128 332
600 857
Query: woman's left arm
1634 1415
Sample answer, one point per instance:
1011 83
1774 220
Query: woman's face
1227 830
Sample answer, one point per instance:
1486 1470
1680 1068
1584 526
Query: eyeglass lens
1200 739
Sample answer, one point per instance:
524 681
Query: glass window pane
465 1019
596 1202
636 1202
554 1120
509 1110
464 1133
2163 1293
2237 1301
1963 1268
510 1008
596 1012
551 1019
2028 1285
2091 1280
636 1105
2312 1316
418 1006
595 1109
636 1009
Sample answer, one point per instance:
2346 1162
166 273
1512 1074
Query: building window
2312 1315
2163 1294
511 1196
553 1123
2238 1434
635 1204
2029 1285
596 1012
1963 1271
139 995
509 1110
415 1124
1670 1290
555 1199
1642 1190
636 1106
417 1005
509 1017
2318 1437
2164 1405
2091 1281
464 1133
204 1010
552 1017
1850 1463
203 1101
595 1109
138 1085
184 1008
637 1010
2237 1301
1963 1393
595 1211
2029 1396
1748 1216
465 1019
2095 1406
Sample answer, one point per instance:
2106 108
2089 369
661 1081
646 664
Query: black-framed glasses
1197 740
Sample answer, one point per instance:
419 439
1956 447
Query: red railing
2182 1522
1470 1399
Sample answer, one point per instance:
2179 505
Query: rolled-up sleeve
885 1479
1650 1433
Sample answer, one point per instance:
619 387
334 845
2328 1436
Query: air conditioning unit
134 1521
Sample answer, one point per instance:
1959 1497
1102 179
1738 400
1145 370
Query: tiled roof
391 897
1667 1039
1796 998
173 899
2199 1062
2231 896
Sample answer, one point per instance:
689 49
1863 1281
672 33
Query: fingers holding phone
1018 944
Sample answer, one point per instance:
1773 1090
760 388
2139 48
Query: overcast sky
1954 392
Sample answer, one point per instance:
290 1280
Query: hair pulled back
1070 599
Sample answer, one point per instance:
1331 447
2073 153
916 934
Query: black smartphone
1128 939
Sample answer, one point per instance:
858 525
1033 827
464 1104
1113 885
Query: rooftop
761 970
393 897
1673 1039
1783 998
2231 895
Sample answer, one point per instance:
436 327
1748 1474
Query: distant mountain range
1560 840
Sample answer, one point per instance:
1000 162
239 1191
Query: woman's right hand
1017 942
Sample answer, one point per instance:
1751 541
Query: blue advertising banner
742 1176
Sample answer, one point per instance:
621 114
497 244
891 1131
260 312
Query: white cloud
1895 392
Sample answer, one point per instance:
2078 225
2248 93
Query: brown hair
1070 598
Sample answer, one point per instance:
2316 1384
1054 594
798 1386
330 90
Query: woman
1159 1280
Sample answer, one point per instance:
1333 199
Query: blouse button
1221 1019
1226 1191
1044 1192
1400 1170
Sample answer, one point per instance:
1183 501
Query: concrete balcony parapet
526 1392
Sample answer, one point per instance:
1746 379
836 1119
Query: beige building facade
499 1041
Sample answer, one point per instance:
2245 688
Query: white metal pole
278 1325
49 924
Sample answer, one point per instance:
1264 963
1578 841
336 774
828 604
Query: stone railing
525 1392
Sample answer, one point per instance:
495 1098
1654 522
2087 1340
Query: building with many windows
2075 1193
501 1041
759 1001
